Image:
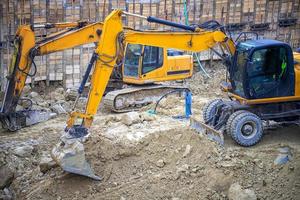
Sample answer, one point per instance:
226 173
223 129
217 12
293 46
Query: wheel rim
249 129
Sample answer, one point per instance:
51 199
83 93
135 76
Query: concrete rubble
237 193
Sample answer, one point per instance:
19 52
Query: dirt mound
144 156
164 165
173 164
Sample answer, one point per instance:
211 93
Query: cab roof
261 43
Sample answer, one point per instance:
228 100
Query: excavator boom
22 65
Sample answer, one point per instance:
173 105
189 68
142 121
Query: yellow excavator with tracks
139 70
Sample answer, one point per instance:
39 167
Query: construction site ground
144 156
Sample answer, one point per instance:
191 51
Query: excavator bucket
210 132
69 154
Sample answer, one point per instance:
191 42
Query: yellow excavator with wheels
262 82
154 63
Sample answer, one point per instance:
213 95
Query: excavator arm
25 49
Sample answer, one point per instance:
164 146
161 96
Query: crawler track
133 98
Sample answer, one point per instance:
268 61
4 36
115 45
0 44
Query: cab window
152 59
238 71
132 58
267 72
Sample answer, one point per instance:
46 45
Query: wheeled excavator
262 82
154 63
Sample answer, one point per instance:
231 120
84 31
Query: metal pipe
162 21
169 23
87 73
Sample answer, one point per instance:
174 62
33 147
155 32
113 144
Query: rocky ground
145 156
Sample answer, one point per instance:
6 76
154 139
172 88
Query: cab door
143 64
268 73
132 61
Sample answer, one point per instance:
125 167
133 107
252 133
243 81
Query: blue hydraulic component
188 104
78 131
87 73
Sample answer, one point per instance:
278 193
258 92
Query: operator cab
151 58
149 64
262 69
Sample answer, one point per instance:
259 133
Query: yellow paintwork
170 64
198 41
297 74
177 40
85 35
107 52
67 24
25 34
265 100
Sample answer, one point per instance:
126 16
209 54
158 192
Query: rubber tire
209 109
230 119
235 128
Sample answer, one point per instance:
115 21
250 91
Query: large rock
23 151
36 98
34 94
148 117
58 109
6 176
187 151
71 94
46 163
58 94
236 192
60 90
160 163
131 118
26 90
6 194
81 103
19 107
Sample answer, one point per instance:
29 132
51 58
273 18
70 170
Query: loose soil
156 158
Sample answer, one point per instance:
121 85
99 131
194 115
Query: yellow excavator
154 64
262 82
